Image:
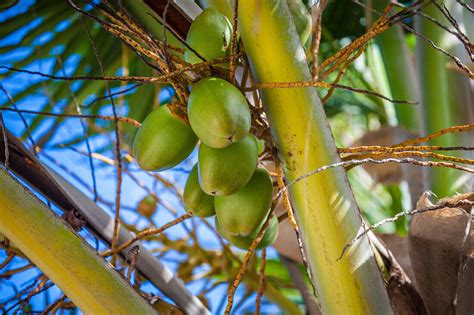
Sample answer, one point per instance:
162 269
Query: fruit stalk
63 256
327 213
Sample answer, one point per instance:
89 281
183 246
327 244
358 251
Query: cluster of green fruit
226 181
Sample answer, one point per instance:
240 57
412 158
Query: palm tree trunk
78 271
327 213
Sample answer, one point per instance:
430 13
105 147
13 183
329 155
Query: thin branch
316 40
436 134
343 70
290 215
161 79
12 272
109 161
459 33
144 234
165 29
27 131
243 266
371 148
86 77
233 42
41 287
442 205
185 44
286 200
379 26
261 282
74 175
9 5
120 32
456 60
127 120
464 4
399 18
117 15
117 154
326 85
435 155
5 141
131 259
376 161
53 306
7 260
100 98
83 126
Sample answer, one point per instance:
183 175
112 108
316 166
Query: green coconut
147 206
210 36
196 201
162 141
244 243
224 171
218 113
260 146
241 213
301 18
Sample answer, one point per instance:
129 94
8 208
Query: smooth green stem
400 71
435 106
86 278
328 216
380 81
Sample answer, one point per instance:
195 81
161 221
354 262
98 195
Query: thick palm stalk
434 90
400 75
327 213
402 81
400 71
83 276
66 196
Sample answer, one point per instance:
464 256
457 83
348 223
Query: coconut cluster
226 181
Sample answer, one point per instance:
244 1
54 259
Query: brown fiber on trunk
437 243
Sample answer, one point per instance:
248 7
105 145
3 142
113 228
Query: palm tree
115 60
